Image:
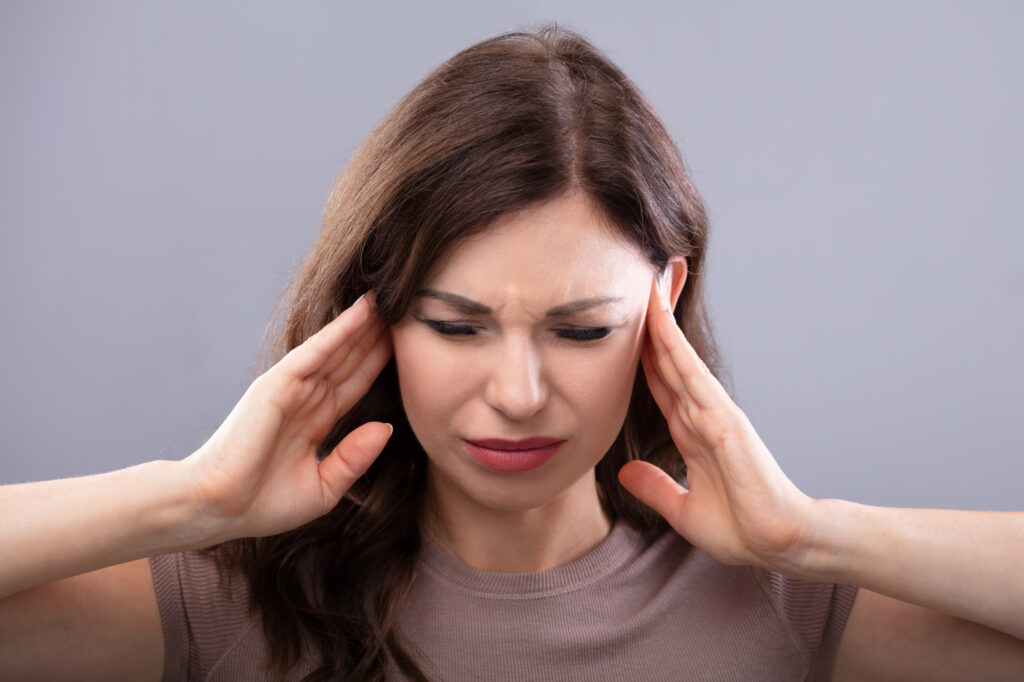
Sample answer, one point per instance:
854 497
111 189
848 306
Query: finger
668 372
352 352
356 385
681 428
371 328
351 458
340 342
668 401
655 488
657 349
718 416
349 383
309 356
682 367
702 423
659 391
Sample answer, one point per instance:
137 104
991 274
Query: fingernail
391 429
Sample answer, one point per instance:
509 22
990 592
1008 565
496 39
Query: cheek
604 386
428 377
422 363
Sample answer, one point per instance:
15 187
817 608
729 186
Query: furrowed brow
468 306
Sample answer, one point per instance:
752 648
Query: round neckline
620 545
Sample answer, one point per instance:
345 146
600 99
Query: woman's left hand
740 507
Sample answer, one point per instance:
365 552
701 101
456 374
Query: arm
74 578
257 475
73 581
56 529
890 639
968 564
100 625
941 589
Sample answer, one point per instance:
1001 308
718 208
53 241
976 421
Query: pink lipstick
510 455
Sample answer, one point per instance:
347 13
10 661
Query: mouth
512 456
522 444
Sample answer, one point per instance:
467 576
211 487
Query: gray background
163 167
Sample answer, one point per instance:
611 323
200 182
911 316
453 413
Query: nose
517 387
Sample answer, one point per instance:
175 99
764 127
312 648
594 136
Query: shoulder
815 613
795 601
670 554
756 607
204 611
195 579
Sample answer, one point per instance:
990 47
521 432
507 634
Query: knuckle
727 438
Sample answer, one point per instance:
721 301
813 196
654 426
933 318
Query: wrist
818 552
183 523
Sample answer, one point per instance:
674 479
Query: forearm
56 529
968 564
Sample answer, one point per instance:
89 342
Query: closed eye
574 333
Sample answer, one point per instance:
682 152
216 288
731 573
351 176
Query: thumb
655 488
352 457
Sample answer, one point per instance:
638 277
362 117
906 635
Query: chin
510 501
519 492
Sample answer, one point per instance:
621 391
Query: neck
519 540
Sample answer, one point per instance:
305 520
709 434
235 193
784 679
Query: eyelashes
575 334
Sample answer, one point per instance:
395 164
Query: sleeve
815 614
203 614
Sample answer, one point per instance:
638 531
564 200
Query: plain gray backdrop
163 168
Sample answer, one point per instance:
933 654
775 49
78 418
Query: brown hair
507 123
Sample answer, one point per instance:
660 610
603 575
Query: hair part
506 124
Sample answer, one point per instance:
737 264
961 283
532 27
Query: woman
462 474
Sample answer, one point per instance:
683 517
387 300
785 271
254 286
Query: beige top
625 610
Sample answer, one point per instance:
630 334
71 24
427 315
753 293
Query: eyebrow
470 307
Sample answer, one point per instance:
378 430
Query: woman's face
521 370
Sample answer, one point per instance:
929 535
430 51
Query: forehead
562 242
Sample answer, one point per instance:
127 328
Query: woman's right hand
258 475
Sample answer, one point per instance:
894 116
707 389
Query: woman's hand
258 474
740 508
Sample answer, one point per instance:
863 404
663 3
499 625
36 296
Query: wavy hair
512 121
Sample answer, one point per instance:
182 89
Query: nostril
518 396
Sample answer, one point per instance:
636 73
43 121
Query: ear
675 278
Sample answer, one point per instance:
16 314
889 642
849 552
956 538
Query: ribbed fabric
625 610
208 632
619 547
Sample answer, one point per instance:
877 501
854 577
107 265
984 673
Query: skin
518 376
941 591
959 617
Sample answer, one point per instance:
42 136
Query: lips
513 456
523 444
